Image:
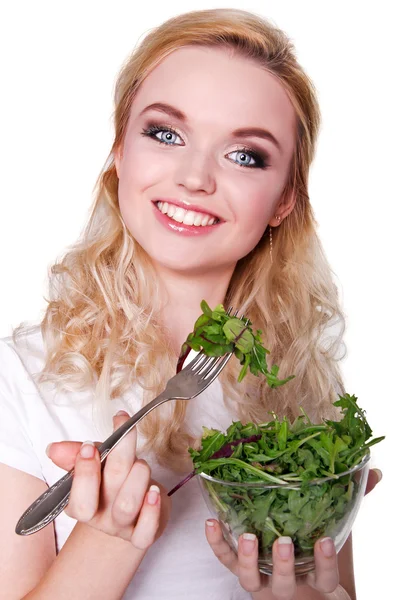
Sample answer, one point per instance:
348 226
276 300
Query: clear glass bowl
326 507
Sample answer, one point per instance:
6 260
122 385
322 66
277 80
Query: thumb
374 477
63 454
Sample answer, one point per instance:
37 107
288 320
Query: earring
278 218
270 243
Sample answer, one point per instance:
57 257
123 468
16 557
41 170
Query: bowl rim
289 485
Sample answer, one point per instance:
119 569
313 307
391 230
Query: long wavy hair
101 328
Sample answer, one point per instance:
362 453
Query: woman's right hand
116 500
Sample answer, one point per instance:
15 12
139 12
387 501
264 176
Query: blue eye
244 159
168 135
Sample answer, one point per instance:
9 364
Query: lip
188 206
182 228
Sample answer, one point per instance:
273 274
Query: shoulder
22 358
22 355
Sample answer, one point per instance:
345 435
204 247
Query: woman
204 195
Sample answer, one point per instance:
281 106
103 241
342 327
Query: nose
195 172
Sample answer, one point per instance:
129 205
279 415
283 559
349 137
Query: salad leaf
216 333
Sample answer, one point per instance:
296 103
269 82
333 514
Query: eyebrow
174 112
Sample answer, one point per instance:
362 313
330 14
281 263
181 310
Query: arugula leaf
216 333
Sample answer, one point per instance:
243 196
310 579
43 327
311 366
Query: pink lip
182 228
199 209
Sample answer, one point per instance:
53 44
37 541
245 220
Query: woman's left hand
282 583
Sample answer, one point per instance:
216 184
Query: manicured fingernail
248 543
121 413
87 450
210 524
284 546
154 494
379 473
327 547
48 450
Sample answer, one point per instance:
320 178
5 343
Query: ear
283 208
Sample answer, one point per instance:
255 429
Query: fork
187 384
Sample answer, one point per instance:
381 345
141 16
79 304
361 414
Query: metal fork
187 384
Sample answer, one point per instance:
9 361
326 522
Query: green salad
307 463
279 452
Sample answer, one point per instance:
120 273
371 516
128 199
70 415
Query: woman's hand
282 583
116 500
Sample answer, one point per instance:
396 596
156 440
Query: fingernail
154 494
284 546
248 543
379 473
48 450
210 524
327 547
87 450
121 413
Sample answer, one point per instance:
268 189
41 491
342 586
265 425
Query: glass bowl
324 507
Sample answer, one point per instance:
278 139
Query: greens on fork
217 333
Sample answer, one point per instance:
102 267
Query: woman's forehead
212 86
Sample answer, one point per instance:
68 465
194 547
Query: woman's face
195 191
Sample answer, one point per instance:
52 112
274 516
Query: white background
59 61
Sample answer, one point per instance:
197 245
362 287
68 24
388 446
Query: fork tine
197 361
216 367
205 365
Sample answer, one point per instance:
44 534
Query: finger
84 498
249 573
129 500
166 504
220 546
145 531
120 461
63 454
283 576
374 477
325 578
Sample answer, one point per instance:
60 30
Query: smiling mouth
187 217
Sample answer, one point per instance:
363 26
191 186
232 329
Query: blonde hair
101 328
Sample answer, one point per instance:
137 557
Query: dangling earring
278 218
270 243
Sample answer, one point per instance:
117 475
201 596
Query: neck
183 295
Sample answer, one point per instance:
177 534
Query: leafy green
216 333
299 454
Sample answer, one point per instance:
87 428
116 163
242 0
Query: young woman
204 195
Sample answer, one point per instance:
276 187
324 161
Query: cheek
138 171
254 202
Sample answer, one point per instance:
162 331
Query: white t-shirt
181 564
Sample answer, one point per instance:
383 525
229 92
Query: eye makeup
260 157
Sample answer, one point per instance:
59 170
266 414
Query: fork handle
53 501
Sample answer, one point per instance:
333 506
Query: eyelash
261 162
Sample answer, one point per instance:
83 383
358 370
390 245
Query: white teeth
179 215
188 217
171 210
198 219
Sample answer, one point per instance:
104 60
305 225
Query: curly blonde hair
102 328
